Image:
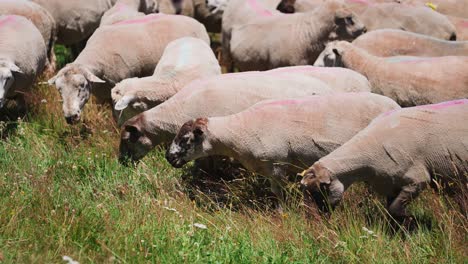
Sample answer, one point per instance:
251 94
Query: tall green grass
63 193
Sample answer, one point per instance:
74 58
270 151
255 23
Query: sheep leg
397 207
277 182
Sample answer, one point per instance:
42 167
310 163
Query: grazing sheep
210 13
123 10
393 42
296 39
461 24
130 48
175 7
422 20
240 12
279 137
408 80
23 55
399 154
217 96
339 79
183 61
41 18
76 19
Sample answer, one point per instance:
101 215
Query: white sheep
41 18
131 48
76 19
278 138
184 60
216 96
398 155
23 55
394 42
408 80
296 39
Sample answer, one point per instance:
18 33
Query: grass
63 193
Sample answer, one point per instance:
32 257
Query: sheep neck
163 121
358 60
227 139
319 23
346 165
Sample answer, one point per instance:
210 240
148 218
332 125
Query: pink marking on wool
444 104
258 9
145 19
464 23
300 69
6 20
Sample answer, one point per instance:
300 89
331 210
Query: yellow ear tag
431 5
303 173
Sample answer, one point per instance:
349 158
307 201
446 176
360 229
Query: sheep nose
364 30
453 37
73 119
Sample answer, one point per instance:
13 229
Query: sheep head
189 144
7 78
74 82
319 186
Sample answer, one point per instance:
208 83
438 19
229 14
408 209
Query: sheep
458 8
23 55
422 20
393 42
398 154
239 12
339 79
408 80
295 39
461 25
148 92
41 18
216 96
125 9
183 61
130 48
210 13
275 138
76 19
175 7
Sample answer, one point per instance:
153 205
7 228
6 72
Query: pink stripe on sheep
258 9
464 23
142 20
300 69
6 19
444 104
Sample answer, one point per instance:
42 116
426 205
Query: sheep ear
135 133
324 180
52 80
337 53
198 131
15 68
93 78
123 103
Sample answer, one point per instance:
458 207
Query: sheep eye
349 21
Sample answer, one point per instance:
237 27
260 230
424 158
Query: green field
63 193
